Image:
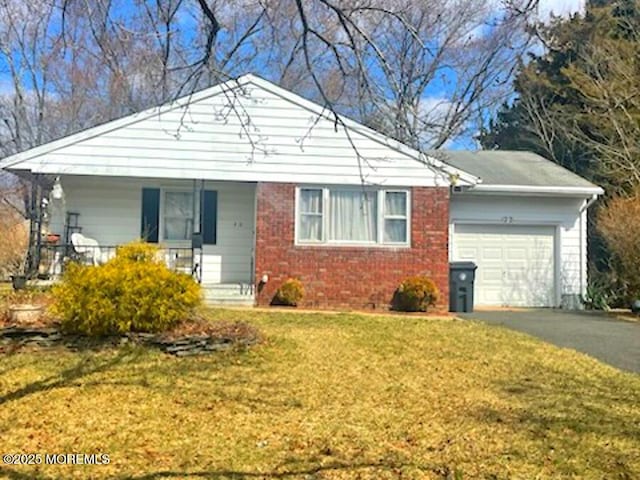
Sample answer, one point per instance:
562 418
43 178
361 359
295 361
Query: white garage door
515 263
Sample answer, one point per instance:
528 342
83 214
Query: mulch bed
197 337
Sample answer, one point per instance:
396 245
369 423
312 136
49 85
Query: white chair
87 247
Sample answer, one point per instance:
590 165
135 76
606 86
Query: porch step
228 294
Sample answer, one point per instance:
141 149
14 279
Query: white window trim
163 192
384 216
380 212
298 217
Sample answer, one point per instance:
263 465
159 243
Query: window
178 215
395 217
310 215
352 216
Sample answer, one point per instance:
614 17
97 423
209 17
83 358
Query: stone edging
14 337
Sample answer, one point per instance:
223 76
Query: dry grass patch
328 397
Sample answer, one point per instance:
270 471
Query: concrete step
230 302
228 294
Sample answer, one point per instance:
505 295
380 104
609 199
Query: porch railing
55 258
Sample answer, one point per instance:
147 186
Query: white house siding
110 212
562 212
255 135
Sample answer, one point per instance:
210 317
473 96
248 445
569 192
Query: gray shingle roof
506 167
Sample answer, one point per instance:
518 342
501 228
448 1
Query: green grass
328 396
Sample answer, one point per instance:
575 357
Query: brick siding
349 277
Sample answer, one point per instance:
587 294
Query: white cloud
433 112
434 107
562 8
6 86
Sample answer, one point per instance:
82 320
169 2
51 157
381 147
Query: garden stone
47 337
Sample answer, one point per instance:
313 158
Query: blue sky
437 93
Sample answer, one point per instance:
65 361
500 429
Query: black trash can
461 278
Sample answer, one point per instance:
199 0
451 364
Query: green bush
416 294
601 292
290 293
134 291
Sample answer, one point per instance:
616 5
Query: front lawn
327 396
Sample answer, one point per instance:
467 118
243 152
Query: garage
515 263
524 224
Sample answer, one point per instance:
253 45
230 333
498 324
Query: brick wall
351 277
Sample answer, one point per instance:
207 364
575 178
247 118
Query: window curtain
178 215
353 216
311 215
395 205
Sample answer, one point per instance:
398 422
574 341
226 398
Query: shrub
416 294
617 222
132 292
599 293
13 241
290 293
138 251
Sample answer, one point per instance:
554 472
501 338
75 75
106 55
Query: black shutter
150 224
210 217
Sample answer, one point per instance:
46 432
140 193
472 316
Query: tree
577 102
426 70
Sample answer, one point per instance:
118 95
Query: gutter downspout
587 203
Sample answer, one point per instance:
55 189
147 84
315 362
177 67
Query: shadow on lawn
591 413
87 365
12 474
311 473
598 404
199 374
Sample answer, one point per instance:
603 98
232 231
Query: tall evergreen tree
577 101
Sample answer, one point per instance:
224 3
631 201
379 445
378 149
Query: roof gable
244 130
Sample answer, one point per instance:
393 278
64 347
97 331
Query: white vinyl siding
289 143
352 216
110 212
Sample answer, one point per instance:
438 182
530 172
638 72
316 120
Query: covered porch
203 228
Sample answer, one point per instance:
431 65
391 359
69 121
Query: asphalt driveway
613 341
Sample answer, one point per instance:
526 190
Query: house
272 187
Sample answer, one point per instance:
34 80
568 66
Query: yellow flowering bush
135 291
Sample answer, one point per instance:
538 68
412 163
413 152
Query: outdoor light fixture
57 193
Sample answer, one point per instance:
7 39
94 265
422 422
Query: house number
507 219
